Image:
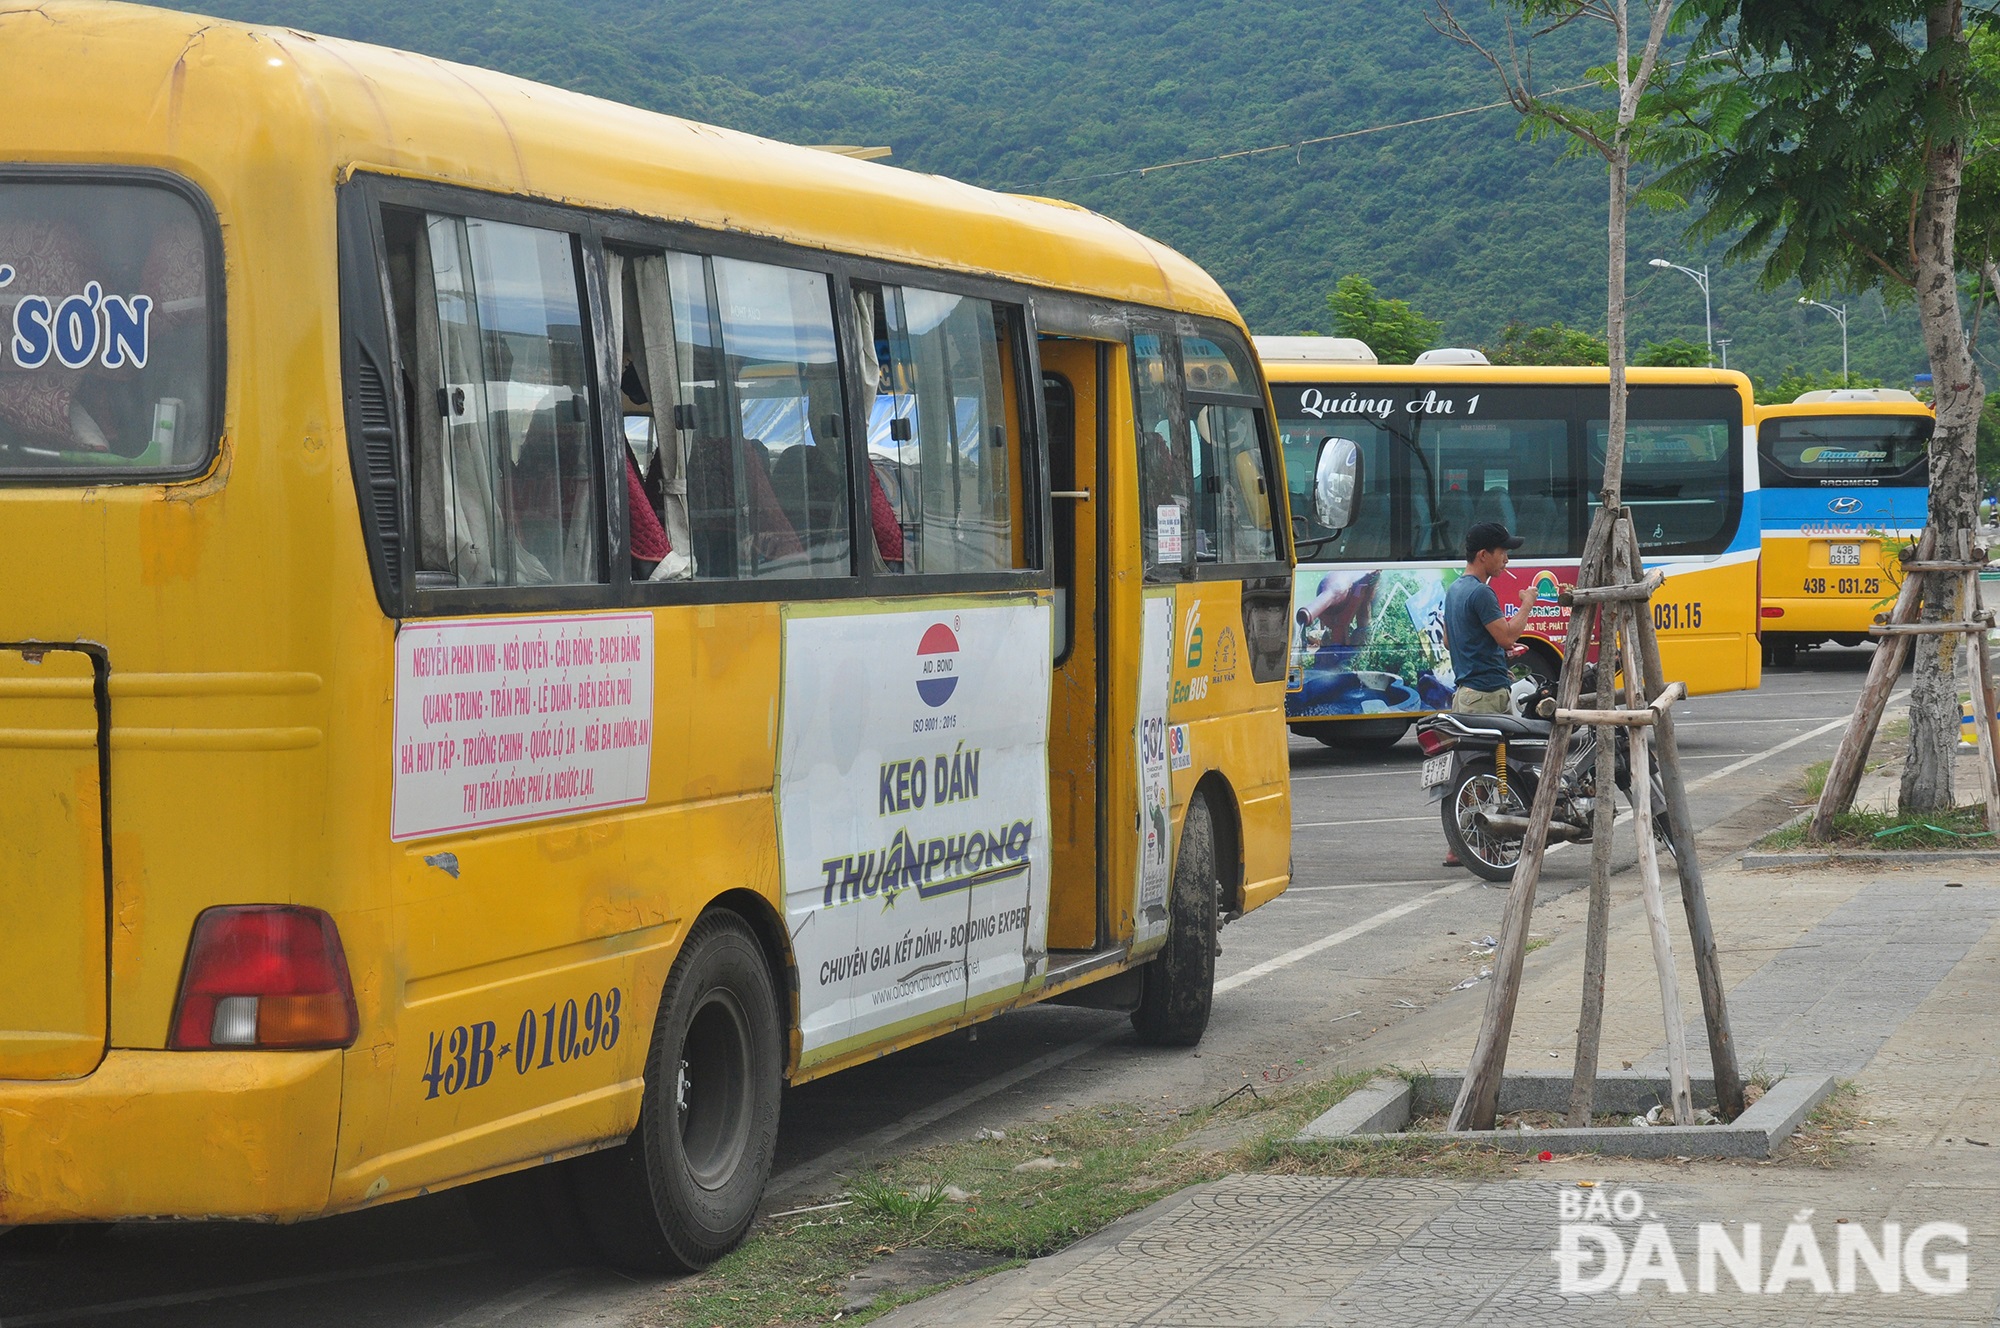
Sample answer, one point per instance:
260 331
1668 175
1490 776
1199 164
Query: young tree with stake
1831 138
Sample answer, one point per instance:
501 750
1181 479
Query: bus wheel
684 1188
1178 985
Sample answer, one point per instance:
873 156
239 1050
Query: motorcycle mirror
1336 479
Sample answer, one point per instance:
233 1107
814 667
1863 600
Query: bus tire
1178 986
685 1187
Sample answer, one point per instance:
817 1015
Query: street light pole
1722 344
1707 309
1841 315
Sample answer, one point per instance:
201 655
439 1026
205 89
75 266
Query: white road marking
1345 934
1355 774
1680 723
1373 820
1784 746
1361 885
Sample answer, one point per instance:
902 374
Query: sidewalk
1888 978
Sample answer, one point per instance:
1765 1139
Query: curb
1854 858
1377 1113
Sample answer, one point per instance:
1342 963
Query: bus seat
1497 505
1368 535
1540 524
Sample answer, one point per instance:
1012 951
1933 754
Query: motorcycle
1484 771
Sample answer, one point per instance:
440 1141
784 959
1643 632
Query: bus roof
1848 395
1579 375
220 101
1314 350
1821 407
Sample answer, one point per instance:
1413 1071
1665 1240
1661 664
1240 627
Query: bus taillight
264 975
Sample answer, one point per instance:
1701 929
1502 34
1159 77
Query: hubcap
712 1090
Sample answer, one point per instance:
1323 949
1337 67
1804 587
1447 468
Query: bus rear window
1857 449
105 295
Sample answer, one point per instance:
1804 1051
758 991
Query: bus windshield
1806 452
1437 459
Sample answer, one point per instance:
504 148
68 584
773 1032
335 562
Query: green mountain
1072 98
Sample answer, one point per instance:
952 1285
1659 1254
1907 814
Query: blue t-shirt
1477 659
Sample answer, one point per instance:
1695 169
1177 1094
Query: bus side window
495 376
757 416
1234 494
1166 473
649 379
1233 512
941 427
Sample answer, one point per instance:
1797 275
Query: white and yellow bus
527 624
1451 441
1846 483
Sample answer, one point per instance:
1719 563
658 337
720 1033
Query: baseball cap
1489 535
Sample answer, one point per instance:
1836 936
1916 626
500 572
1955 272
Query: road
1298 986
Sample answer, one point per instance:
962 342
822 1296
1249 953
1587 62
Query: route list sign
516 719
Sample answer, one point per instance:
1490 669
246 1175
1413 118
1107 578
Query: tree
1831 138
1393 330
1554 344
1673 353
1611 134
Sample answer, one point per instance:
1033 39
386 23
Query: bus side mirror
1336 479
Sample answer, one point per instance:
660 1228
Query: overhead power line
1299 145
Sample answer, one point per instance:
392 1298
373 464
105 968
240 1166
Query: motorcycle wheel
1475 789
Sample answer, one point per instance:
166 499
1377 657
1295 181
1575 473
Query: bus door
1073 390
54 723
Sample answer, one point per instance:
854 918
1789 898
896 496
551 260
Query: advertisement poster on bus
506 720
913 809
1370 641
1156 669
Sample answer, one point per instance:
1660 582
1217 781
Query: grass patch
1815 783
1961 827
1825 1137
1536 943
1102 1163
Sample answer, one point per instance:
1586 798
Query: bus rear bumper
1821 616
219 1134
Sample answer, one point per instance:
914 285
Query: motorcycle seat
1507 726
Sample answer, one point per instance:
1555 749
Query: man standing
1477 633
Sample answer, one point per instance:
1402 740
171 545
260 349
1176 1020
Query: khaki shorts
1468 701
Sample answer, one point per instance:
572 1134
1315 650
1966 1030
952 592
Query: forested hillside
1070 97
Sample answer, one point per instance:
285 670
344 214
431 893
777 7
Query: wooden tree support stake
1843 776
1479 1097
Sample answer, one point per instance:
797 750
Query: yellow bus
526 624
1435 447
1846 475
